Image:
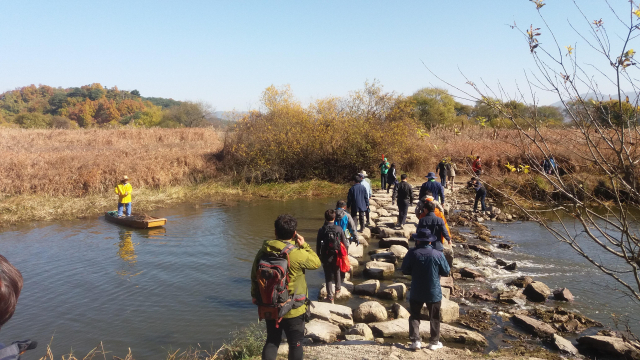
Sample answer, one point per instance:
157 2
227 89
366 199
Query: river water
89 281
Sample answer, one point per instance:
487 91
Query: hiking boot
435 346
415 346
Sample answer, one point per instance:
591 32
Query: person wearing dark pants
391 177
403 192
384 169
425 264
441 169
294 330
330 236
481 194
301 258
358 200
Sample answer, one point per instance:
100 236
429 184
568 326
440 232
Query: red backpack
273 284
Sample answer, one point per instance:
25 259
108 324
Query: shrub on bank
332 139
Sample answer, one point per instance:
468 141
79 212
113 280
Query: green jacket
299 260
384 167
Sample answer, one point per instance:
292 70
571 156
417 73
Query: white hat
363 173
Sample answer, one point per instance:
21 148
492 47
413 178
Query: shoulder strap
287 249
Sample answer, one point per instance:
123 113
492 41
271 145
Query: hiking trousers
355 213
294 330
443 180
434 321
383 181
331 277
480 195
403 209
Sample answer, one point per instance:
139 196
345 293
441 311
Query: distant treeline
96 106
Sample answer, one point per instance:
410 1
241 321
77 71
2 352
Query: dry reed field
82 162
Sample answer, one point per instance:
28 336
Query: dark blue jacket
436 226
358 197
425 265
435 188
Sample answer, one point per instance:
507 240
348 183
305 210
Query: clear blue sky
227 53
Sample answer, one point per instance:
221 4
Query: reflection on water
127 252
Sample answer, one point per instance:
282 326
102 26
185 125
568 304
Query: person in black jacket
328 257
358 200
404 194
435 225
481 194
391 177
442 170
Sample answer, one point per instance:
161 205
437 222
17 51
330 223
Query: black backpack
330 247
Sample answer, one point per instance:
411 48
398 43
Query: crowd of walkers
430 259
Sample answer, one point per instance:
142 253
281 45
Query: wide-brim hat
125 177
364 174
424 235
431 176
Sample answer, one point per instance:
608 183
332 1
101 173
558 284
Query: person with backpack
384 169
10 287
358 200
404 193
425 265
279 287
345 221
391 177
441 169
330 242
420 211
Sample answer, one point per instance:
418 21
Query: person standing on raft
124 190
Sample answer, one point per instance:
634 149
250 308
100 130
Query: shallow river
89 281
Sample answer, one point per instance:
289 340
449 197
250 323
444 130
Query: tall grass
82 162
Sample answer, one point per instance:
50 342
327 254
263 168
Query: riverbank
23 208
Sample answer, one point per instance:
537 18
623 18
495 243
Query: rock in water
399 251
366 233
534 326
387 242
521 282
563 295
344 293
470 274
322 331
354 262
609 345
480 249
361 330
537 292
369 287
399 328
511 267
505 246
449 311
387 257
501 262
370 311
336 314
564 346
400 312
379 270
395 291
355 250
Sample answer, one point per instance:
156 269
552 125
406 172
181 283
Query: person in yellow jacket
124 193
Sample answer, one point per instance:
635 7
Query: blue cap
424 234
